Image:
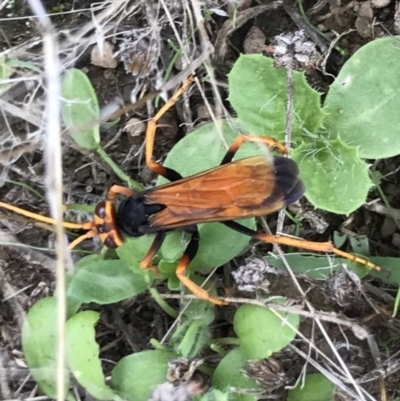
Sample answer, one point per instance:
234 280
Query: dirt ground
27 268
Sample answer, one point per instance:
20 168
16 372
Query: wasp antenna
45 219
90 234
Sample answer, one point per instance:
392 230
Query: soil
27 268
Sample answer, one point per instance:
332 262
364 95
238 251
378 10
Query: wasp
250 187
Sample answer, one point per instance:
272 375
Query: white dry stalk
347 373
54 175
206 46
330 376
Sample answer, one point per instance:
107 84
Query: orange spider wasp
249 187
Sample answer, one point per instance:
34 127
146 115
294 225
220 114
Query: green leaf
205 149
218 245
167 268
257 343
194 339
74 304
390 272
339 239
179 334
5 74
133 250
320 267
83 355
316 388
105 282
203 311
359 245
229 374
316 267
216 395
39 343
336 179
135 376
15 63
173 283
80 107
87 260
258 93
363 104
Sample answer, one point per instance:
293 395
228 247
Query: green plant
357 120
337 178
81 114
7 69
316 387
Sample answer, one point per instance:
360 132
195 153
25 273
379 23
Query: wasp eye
100 210
101 228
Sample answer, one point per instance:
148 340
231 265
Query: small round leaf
229 374
105 282
133 250
39 343
83 355
135 376
261 332
317 267
336 179
80 107
363 104
258 93
316 388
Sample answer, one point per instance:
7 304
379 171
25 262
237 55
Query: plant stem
117 170
21 184
163 305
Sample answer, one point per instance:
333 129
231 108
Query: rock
135 129
379 3
104 56
363 22
366 10
254 43
364 27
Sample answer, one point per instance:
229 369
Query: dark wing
245 188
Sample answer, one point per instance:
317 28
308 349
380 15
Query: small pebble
104 56
379 3
254 43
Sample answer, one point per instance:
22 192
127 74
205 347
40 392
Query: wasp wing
245 188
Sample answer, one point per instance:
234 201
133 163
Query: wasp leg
89 225
155 246
240 140
159 169
187 257
299 243
119 190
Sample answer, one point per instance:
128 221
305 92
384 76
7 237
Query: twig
54 176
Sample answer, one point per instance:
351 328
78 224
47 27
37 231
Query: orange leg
314 246
155 246
298 243
241 139
187 257
90 234
119 190
193 287
89 225
45 219
170 174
